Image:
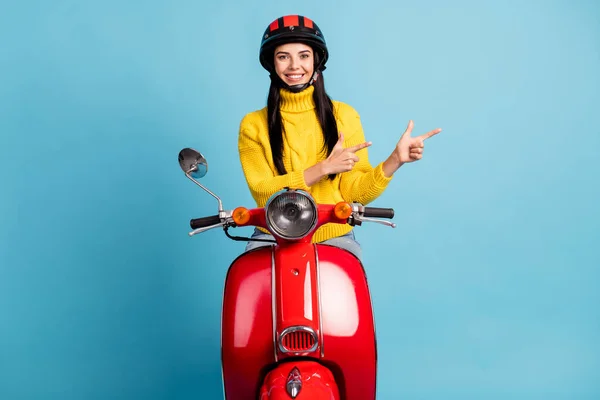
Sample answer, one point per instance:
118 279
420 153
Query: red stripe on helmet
308 23
274 25
290 20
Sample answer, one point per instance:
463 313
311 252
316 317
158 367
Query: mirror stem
208 191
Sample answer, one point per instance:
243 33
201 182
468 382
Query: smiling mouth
295 77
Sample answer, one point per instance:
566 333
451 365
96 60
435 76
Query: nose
293 63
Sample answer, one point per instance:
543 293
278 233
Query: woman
304 140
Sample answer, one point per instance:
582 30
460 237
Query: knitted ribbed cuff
296 181
380 179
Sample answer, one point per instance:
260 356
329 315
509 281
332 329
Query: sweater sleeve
364 183
257 164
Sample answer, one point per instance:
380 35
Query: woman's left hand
408 149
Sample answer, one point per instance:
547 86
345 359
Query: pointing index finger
358 147
431 133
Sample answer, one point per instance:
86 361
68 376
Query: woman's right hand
342 159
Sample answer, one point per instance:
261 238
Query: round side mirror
193 163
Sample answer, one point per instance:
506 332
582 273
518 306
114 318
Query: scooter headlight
291 214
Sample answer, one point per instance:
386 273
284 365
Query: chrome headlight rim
275 230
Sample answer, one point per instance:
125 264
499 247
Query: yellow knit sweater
303 144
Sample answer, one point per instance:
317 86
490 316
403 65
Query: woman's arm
259 172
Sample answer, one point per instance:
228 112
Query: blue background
488 288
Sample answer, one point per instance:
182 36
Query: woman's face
294 63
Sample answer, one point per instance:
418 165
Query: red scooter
297 319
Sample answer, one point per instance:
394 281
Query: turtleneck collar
297 102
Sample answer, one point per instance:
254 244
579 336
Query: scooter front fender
300 380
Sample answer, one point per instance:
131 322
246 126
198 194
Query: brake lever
206 228
379 221
357 220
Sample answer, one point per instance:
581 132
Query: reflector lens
241 216
342 210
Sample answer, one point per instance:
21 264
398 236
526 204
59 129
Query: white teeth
294 76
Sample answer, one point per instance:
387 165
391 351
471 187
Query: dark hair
325 116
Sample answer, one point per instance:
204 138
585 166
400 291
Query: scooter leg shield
300 380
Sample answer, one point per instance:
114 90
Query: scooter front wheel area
300 380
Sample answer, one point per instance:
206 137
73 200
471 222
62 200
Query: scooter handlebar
204 221
367 212
377 212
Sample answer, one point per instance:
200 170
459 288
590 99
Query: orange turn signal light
342 210
241 216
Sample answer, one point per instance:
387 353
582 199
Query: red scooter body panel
267 291
296 295
247 347
348 328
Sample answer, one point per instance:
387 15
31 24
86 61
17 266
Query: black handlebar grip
376 212
204 221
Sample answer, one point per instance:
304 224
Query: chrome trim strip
273 302
319 301
293 329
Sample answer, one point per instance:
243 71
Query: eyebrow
285 52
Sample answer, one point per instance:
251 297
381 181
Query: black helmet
290 29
